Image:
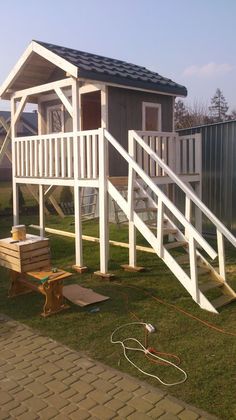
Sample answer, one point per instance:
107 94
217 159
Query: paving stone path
43 379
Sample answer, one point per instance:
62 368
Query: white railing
190 198
181 153
60 155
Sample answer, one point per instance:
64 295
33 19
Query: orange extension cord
177 308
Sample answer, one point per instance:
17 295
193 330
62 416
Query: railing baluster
89 156
69 157
94 156
46 157
190 156
51 158
193 268
160 214
82 155
130 199
221 254
31 153
56 144
36 158
188 211
184 154
63 169
152 163
26 158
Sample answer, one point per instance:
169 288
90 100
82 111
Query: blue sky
191 41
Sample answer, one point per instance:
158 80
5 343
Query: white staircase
143 197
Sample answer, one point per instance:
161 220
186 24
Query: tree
191 115
219 107
232 116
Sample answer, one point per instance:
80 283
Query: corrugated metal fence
218 170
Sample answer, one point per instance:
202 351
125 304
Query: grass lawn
207 355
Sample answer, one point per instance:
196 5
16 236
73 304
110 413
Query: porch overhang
37 66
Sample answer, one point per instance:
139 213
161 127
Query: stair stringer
177 270
180 237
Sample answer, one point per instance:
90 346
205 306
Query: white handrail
167 202
190 194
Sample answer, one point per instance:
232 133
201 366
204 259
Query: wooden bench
48 283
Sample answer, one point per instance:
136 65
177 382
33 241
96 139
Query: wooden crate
29 255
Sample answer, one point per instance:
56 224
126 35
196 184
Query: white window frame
151 105
50 108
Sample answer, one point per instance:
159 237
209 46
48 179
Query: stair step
222 300
141 198
152 224
204 287
146 209
178 244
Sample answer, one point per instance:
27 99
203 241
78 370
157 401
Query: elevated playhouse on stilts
108 124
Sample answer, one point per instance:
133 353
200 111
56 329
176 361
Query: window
55 119
151 116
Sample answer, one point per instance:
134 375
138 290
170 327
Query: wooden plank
35 259
44 263
36 252
222 301
10 265
7 251
9 258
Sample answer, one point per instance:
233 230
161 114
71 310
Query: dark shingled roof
96 67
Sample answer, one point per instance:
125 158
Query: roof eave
177 91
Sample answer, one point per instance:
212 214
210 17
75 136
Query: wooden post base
107 276
128 267
80 269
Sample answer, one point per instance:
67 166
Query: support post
41 211
15 186
77 193
193 269
103 207
221 254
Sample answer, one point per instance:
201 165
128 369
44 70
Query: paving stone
6 354
82 387
71 380
36 388
35 404
170 406
156 412
138 416
37 373
87 403
48 413
57 386
26 381
102 412
77 398
4 414
89 378
16 412
5 397
169 416
50 368
126 411
99 396
23 395
107 376
61 375
114 391
188 415
68 393
128 384
124 396
70 408
45 379
141 405
64 364
104 385
140 392
96 370
87 364
8 384
115 404
57 401
80 415
10 405
29 415
154 397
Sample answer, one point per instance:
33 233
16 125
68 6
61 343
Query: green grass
207 356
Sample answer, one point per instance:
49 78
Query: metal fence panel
218 170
